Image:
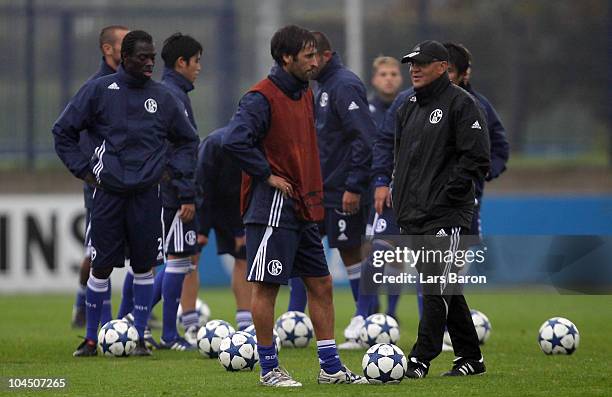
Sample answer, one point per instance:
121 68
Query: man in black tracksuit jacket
441 152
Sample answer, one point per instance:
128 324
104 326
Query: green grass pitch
36 341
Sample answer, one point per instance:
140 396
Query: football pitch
36 341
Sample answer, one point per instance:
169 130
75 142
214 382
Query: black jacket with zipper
441 151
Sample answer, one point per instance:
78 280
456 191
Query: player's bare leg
242 292
321 305
189 295
262 306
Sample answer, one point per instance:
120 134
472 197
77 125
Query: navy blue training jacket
129 122
345 132
218 180
180 87
85 143
378 109
500 148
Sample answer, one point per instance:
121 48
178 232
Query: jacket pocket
458 195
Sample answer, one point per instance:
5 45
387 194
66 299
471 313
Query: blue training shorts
126 220
344 230
274 254
180 238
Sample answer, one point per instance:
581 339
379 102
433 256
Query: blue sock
143 294
328 356
364 305
392 305
96 288
297 295
244 319
80 297
157 286
268 359
172 287
375 306
127 295
365 302
107 308
190 319
354 276
367 299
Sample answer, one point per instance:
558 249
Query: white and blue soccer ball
481 324
117 338
379 328
251 330
384 363
201 308
294 329
238 351
210 336
558 335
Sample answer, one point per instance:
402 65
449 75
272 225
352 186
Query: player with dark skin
110 46
127 192
140 65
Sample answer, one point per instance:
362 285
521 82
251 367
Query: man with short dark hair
439 151
181 55
110 45
129 119
273 139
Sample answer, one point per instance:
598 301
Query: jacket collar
291 86
378 103
467 87
177 79
425 95
334 64
130 80
105 69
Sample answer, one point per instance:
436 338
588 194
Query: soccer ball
210 336
379 328
238 352
203 313
117 338
294 329
384 363
251 330
558 335
481 324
